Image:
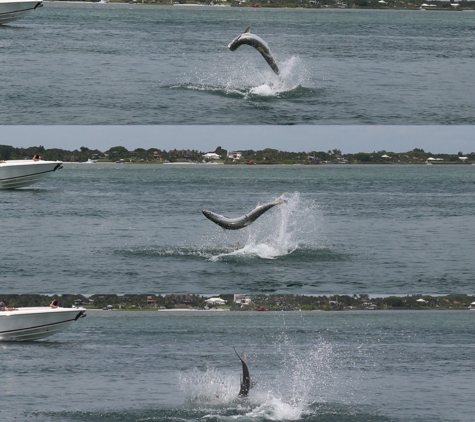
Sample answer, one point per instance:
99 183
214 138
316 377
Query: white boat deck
32 323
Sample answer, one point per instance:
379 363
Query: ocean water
109 64
357 366
344 229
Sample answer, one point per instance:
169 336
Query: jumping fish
243 221
246 383
258 43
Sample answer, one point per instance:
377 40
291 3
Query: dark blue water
345 229
138 64
309 366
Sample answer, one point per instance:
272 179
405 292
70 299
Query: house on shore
215 301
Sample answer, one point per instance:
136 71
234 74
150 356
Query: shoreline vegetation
435 5
244 302
120 154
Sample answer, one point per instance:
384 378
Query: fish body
243 221
246 383
258 43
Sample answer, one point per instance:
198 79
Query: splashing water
307 371
275 409
300 376
292 76
250 82
211 388
294 227
278 232
309 376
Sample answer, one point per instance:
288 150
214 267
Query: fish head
234 44
208 214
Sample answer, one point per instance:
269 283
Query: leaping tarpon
245 220
258 43
246 383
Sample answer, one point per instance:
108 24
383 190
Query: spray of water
292 76
299 380
208 389
248 81
293 227
307 372
279 232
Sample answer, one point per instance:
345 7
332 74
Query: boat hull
11 10
27 324
19 173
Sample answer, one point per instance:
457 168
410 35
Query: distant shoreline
218 311
267 156
244 302
350 5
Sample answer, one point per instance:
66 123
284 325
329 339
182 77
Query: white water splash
278 232
299 378
307 372
305 375
217 392
292 75
261 250
248 81
276 410
285 229
209 388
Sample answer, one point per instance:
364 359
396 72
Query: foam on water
292 76
248 82
275 409
260 250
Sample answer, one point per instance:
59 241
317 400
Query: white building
242 299
235 155
215 301
211 156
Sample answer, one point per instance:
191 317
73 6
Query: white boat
35 323
19 173
472 306
11 10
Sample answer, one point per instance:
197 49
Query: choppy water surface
138 64
309 366
344 229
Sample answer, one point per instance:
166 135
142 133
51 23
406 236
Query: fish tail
281 199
